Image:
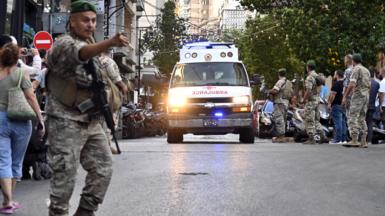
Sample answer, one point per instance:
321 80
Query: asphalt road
218 176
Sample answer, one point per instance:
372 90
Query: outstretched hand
120 40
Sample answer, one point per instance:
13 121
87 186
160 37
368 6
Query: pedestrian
14 135
282 93
374 88
359 86
311 100
337 110
324 93
381 96
76 135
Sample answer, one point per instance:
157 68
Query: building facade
202 17
21 18
233 16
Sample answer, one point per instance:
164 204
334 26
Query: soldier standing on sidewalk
360 85
281 104
311 101
76 136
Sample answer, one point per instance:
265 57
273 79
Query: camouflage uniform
112 71
359 101
74 137
111 67
348 74
312 123
280 108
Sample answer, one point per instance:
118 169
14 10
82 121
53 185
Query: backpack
287 90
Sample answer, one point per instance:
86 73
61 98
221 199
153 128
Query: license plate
210 123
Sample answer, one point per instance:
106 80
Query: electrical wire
144 9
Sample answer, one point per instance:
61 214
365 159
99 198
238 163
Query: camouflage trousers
70 144
312 117
357 114
279 119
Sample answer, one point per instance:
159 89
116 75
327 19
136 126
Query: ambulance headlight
187 55
194 55
241 100
230 54
223 54
177 101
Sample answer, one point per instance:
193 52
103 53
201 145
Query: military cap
282 71
357 57
311 63
81 6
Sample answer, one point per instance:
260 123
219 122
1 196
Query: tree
326 30
264 49
164 41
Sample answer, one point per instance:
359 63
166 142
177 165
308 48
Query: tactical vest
66 91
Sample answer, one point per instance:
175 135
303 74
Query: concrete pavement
215 175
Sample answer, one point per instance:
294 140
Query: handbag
18 106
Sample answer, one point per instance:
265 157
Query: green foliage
326 30
164 41
264 49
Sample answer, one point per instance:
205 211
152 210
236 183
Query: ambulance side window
178 76
240 74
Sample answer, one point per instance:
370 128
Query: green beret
282 71
311 63
82 6
357 57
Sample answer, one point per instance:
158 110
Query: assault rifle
100 99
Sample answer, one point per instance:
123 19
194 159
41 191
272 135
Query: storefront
21 18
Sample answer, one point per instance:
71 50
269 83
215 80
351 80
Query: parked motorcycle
325 119
298 123
378 128
133 126
142 122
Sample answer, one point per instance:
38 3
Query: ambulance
210 93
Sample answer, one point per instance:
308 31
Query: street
209 176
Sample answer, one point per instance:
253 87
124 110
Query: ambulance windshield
209 73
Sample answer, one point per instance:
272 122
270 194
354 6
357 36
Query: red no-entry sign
42 40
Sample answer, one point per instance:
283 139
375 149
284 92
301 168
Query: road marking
43 41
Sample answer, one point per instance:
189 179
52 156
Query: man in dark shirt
374 88
338 111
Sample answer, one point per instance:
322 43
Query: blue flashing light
207 44
218 114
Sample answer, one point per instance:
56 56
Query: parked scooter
378 129
298 123
325 118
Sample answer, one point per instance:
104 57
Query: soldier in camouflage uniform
311 101
76 137
280 106
113 73
360 85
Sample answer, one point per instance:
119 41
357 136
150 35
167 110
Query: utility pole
106 20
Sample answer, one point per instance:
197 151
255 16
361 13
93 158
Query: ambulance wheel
246 135
174 136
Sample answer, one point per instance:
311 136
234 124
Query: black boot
84 212
310 140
